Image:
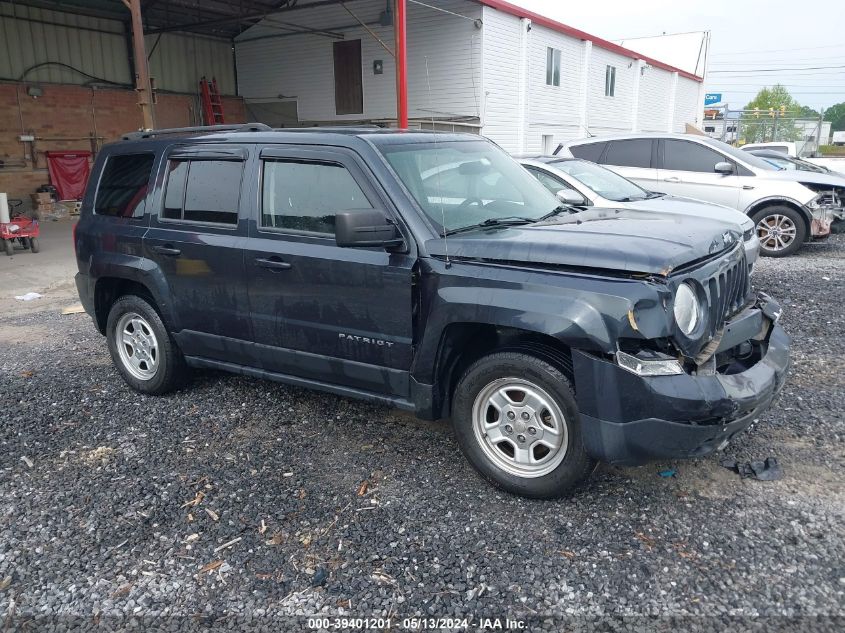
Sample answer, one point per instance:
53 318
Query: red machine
21 229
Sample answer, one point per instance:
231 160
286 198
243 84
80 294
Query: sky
747 36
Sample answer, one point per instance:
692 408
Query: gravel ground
238 502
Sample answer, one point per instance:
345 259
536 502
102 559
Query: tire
781 230
141 348
482 431
10 247
34 245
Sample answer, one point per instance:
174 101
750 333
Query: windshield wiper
557 211
506 221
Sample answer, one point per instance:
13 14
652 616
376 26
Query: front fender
582 311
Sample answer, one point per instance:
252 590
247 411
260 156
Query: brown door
348 90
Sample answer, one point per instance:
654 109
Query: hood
832 180
627 240
694 208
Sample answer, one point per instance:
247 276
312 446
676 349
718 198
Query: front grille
727 292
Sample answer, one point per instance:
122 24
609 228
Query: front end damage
826 209
685 396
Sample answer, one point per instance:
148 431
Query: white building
521 79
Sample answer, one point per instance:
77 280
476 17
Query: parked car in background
788 163
432 273
790 149
582 183
788 207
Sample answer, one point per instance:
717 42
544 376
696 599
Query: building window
610 81
709 128
552 67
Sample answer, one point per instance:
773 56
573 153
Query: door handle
167 250
272 263
672 179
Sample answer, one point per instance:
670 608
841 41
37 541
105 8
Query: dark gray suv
432 273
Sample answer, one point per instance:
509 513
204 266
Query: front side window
203 191
552 67
686 156
635 152
306 196
123 186
462 183
547 180
610 81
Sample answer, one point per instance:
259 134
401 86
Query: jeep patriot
429 272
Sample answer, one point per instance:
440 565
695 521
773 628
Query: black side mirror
365 228
723 167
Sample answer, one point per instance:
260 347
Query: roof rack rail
241 127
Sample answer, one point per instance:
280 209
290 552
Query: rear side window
306 196
686 156
629 153
588 151
123 186
203 191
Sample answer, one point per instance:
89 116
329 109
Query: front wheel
34 245
10 247
141 348
781 230
517 422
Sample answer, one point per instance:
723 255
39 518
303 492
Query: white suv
787 207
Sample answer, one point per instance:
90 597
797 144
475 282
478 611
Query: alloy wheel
137 346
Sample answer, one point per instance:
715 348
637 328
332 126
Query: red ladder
212 106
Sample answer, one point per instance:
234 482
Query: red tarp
69 173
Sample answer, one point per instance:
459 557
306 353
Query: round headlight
688 311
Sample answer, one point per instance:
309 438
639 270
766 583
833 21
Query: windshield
604 182
738 154
464 183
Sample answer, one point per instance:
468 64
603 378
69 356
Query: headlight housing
689 313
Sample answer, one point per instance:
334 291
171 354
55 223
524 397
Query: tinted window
685 156
203 191
588 151
631 153
123 186
305 196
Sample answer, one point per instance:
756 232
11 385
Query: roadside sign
712 97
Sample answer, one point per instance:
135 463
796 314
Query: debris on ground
319 578
26 460
765 470
29 296
669 472
74 309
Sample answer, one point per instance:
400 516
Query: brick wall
65 117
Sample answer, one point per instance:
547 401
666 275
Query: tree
765 127
836 115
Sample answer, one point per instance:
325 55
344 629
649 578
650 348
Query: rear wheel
10 247
781 230
517 422
141 348
34 245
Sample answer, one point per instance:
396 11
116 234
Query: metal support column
401 35
142 70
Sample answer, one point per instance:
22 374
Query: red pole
401 34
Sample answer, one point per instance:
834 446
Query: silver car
788 207
581 182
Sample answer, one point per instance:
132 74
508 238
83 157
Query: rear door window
203 191
686 156
635 152
588 151
122 191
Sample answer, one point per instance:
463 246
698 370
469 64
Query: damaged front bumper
631 419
